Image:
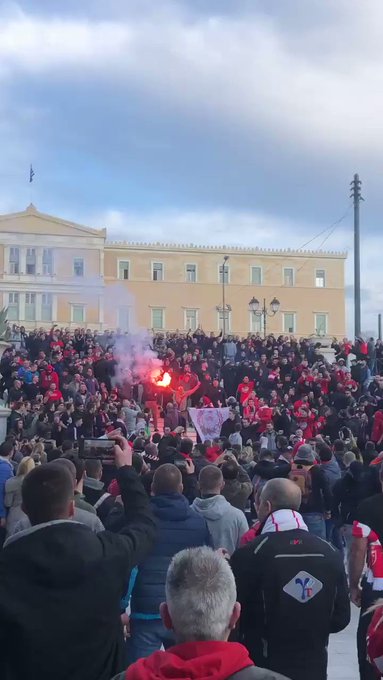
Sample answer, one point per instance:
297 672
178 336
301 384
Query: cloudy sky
216 121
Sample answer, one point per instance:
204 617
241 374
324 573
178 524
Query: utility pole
379 326
225 259
356 185
264 312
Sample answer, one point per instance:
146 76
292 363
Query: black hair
53 454
6 448
67 445
186 446
339 446
79 464
324 451
200 449
282 442
370 446
265 454
229 469
46 492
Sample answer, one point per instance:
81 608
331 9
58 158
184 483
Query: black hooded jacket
60 591
347 493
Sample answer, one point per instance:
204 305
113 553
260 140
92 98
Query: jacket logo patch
303 587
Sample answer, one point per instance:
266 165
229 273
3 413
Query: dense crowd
295 471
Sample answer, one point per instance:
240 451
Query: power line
332 227
334 224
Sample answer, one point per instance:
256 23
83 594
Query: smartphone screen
103 449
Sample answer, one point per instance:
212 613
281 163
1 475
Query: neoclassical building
55 271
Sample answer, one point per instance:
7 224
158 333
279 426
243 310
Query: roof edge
227 249
32 210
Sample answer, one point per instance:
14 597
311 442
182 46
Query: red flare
161 379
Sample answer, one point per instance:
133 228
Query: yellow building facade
55 271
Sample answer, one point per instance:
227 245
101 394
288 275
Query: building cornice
224 250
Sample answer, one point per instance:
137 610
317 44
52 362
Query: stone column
4 413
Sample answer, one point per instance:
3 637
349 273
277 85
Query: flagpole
31 176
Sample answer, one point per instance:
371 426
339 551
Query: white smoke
136 360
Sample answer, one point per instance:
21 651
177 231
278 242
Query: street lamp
225 259
264 312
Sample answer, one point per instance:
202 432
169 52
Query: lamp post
225 259
264 312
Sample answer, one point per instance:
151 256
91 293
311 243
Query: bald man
292 589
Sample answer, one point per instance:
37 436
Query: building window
321 324
288 276
47 262
123 270
14 260
255 323
320 278
191 273
157 271
191 319
158 319
78 313
256 276
78 266
123 318
289 322
227 316
31 261
46 306
224 273
30 306
13 307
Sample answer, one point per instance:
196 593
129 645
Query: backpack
301 476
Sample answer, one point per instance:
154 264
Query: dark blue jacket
6 472
178 527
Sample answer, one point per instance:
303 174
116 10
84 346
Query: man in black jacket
61 584
292 589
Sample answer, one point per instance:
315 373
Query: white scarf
284 520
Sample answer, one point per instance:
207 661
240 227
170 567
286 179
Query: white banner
208 421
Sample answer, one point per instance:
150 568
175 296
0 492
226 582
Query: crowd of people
178 557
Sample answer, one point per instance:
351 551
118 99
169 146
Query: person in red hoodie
201 609
47 377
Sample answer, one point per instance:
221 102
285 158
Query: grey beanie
305 454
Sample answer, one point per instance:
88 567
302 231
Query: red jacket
375 641
55 395
192 661
212 453
265 415
47 377
245 389
377 427
250 535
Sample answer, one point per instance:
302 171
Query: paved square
343 659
